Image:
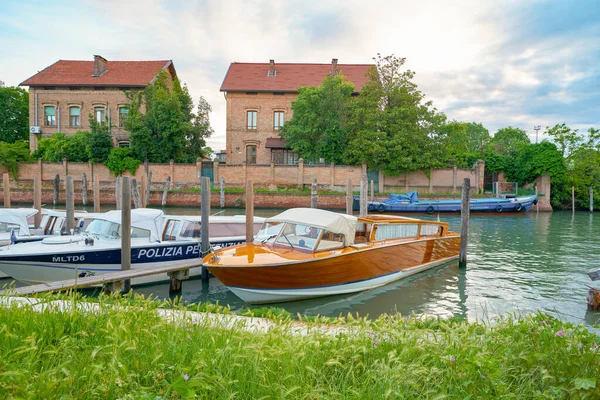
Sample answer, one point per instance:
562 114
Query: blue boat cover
412 197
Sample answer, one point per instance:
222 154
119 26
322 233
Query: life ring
535 201
499 208
430 210
518 207
380 207
371 207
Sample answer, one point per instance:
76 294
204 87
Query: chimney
100 65
271 68
334 69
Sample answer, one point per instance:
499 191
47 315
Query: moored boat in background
303 253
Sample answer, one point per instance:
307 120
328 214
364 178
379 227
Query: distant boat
410 203
306 252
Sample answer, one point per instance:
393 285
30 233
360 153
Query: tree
390 126
14 114
163 131
120 160
11 154
478 137
507 140
200 129
99 141
318 127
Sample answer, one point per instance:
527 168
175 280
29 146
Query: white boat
155 239
14 222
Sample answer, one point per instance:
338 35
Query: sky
517 63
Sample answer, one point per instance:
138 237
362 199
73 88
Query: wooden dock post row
6 185
464 223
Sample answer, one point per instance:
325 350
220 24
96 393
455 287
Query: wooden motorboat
303 253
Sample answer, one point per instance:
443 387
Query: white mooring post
464 226
84 189
96 193
70 206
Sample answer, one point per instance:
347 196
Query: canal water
516 263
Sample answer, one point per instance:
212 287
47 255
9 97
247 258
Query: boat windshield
104 229
289 234
8 226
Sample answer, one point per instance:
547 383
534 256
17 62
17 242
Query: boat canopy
143 218
411 197
334 222
18 216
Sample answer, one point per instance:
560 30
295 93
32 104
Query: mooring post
6 185
37 200
204 232
464 226
118 193
363 195
96 194
56 187
126 230
372 190
148 183
70 205
591 199
537 203
222 194
313 194
249 211
84 189
573 198
349 197
135 193
165 191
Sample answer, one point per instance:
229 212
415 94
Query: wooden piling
349 197
222 193
143 191
204 232
464 220
84 189
126 229
537 203
70 206
56 187
249 211
363 195
591 199
118 193
372 190
166 191
313 194
135 193
6 186
96 194
148 184
573 198
37 200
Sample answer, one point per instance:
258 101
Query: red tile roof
253 77
79 73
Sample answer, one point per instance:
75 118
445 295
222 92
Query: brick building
65 94
259 97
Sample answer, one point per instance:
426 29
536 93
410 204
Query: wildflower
460 374
579 346
186 377
560 333
451 359
482 376
189 337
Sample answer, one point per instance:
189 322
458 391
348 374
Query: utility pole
536 128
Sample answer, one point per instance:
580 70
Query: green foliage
99 142
126 350
318 127
74 148
391 128
167 129
120 160
507 141
11 154
14 114
456 141
198 132
478 137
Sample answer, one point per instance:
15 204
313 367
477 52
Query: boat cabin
314 230
224 227
145 224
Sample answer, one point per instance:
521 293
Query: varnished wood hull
347 271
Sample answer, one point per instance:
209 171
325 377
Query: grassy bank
124 349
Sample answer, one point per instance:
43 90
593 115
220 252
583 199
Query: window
74 116
99 114
251 117
431 230
277 120
284 157
124 143
123 112
50 115
250 154
396 231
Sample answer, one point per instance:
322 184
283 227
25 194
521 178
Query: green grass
131 353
